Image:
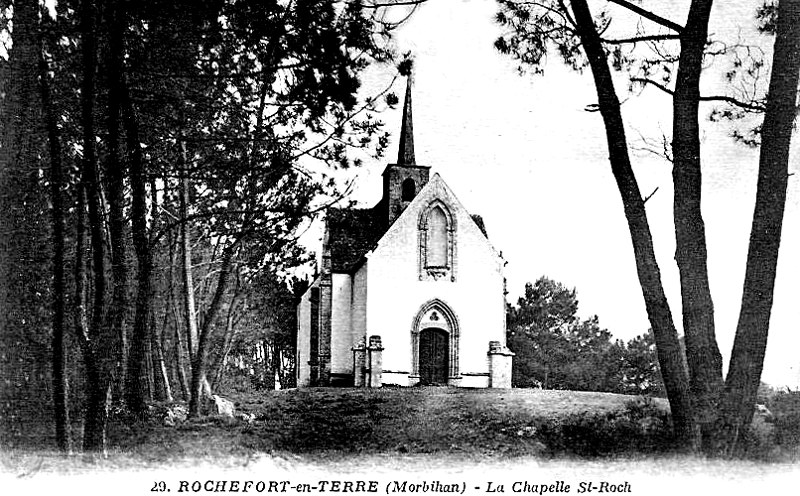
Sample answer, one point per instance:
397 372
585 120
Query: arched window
437 239
409 190
437 243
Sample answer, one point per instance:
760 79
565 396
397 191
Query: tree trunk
173 308
276 364
115 175
94 432
188 279
160 379
96 404
702 353
747 358
137 373
24 231
200 360
60 382
149 369
80 320
179 364
669 353
163 390
230 334
269 364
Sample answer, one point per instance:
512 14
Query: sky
522 152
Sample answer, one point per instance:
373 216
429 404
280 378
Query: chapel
408 292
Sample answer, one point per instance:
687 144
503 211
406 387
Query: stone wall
393 177
341 325
303 369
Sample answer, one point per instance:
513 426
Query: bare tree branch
392 3
649 15
754 107
637 39
650 195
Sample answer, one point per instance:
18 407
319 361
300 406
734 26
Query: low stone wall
474 380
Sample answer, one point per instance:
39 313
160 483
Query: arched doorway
434 356
435 344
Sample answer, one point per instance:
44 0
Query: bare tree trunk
669 351
115 176
747 358
162 376
173 308
179 365
137 373
702 353
200 360
276 364
80 320
149 369
188 280
23 229
269 371
198 356
230 334
163 391
160 379
97 397
60 381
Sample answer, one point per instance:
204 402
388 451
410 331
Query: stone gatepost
359 364
499 365
375 351
325 303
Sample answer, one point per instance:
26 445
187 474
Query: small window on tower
409 190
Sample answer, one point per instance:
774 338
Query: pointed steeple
405 152
405 179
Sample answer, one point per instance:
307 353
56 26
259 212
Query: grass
316 422
400 434
315 425
415 420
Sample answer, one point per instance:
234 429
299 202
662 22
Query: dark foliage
785 408
641 428
556 350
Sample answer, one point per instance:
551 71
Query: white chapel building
409 291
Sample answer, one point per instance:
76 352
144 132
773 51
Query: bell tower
403 180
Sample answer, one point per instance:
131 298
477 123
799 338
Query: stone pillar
375 351
359 364
499 365
325 308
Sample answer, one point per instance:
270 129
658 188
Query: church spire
405 153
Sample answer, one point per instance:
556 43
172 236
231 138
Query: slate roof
352 232
481 225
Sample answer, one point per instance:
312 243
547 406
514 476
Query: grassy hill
427 419
313 423
403 431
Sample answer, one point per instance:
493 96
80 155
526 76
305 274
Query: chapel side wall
391 279
476 296
341 335
359 312
304 340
